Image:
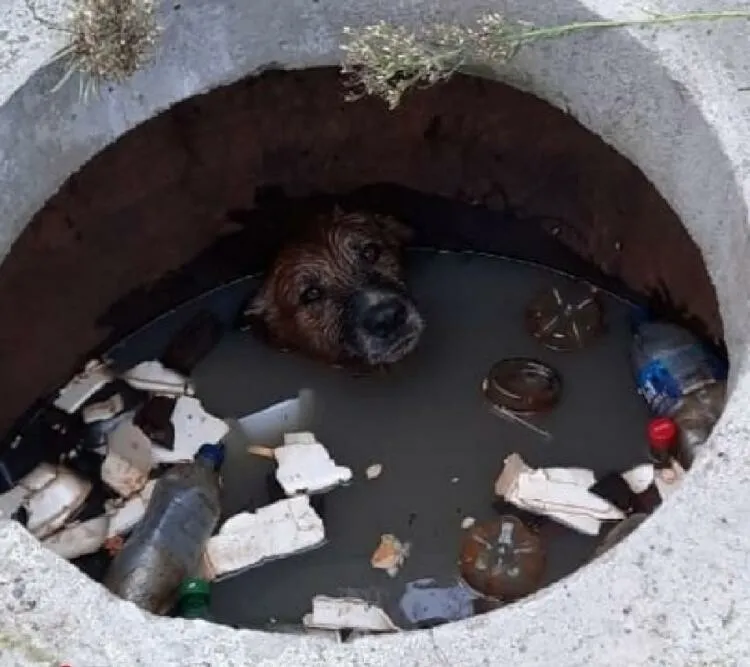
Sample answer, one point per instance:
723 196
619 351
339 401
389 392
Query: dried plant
387 60
107 40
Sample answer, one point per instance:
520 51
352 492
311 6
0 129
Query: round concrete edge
674 593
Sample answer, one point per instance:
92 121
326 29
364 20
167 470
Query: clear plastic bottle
166 547
681 378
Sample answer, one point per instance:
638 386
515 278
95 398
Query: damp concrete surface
425 421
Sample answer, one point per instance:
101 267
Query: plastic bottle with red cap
662 440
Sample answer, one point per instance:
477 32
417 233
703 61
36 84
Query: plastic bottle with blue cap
166 547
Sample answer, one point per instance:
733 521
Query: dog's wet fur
337 292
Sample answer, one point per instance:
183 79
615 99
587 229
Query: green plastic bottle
194 599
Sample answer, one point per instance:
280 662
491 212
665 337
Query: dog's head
338 292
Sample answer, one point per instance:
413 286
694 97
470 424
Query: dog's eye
370 252
311 295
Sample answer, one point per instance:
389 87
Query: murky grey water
427 424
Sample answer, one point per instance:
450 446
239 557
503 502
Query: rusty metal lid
523 385
566 317
502 559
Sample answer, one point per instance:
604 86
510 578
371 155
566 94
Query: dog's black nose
385 318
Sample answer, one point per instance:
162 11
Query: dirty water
427 424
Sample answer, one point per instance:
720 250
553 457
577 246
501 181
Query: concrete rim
667 100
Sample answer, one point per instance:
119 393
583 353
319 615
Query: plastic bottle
695 417
194 597
681 378
166 547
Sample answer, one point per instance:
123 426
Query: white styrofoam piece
129 459
11 500
154 377
50 507
37 479
566 498
124 518
568 503
304 465
330 613
639 478
193 427
579 476
87 537
248 539
373 471
122 476
83 386
97 412
268 426
79 539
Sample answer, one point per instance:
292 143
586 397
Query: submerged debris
620 532
426 602
390 554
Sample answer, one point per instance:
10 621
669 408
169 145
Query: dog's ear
396 232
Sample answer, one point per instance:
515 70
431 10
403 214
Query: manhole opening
194 201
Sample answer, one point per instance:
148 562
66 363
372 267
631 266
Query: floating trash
565 317
502 559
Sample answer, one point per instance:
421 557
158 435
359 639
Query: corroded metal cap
502 559
566 317
523 385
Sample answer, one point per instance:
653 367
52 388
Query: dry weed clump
107 40
387 60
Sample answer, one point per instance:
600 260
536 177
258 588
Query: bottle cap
662 433
194 586
212 453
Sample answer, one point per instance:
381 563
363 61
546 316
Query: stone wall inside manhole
471 165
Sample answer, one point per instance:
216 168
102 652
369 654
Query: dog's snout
385 318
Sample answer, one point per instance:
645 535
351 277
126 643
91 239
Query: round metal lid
523 385
502 559
564 318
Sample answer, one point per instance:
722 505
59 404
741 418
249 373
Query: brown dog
337 293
